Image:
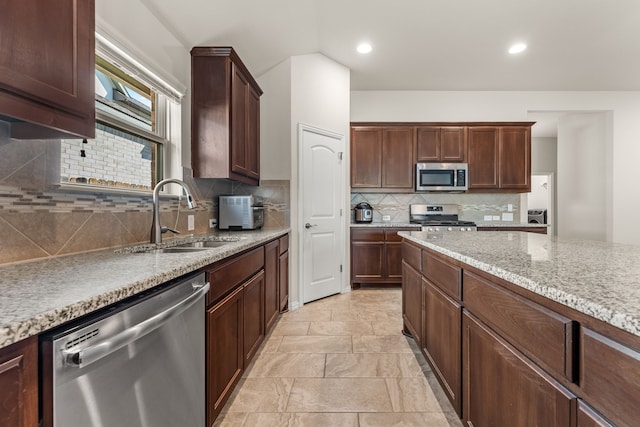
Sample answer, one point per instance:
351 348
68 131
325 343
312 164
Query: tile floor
340 361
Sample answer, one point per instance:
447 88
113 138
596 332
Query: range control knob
450 229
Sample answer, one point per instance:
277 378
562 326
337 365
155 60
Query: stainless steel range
439 218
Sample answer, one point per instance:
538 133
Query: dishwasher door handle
86 356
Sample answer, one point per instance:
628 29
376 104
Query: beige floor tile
302 420
349 327
231 419
316 344
391 365
412 395
287 365
271 344
381 344
260 395
403 419
291 328
306 315
366 314
387 327
339 395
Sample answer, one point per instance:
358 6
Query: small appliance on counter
363 212
240 213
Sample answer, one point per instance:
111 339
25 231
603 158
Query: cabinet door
610 378
19 384
393 261
366 157
225 361
398 146
283 281
503 388
239 120
412 302
47 65
253 135
271 301
442 341
453 143
483 157
515 158
253 316
367 261
428 144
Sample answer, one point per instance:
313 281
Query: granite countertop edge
384 225
593 309
38 295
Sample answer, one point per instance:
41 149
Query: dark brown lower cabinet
253 316
504 388
19 384
225 354
271 285
587 417
283 274
442 342
412 302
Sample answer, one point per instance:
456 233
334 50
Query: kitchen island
526 329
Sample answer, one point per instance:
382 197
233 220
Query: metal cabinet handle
307 225
98 351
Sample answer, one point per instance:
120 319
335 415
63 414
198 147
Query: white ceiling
574 45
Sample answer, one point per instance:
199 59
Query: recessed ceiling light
517 48
364 48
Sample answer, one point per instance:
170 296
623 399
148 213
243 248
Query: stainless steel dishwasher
139 363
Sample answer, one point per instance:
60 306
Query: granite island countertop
600 279
509 225
38 295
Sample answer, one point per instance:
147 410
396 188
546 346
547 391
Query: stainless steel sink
208 244
177 250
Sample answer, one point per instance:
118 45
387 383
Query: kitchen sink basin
208 244
177 250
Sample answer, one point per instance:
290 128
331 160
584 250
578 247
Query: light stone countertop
38 295
599 279
384 225
503 224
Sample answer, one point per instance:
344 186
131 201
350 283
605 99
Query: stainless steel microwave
442 176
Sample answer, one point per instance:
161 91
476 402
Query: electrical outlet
488 218
191 222
496 218
212 223
386 217
507 216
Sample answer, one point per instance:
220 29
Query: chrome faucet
156 228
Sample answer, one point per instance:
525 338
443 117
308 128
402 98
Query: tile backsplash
473 206
39 219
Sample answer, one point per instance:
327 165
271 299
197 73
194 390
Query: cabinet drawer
284 243
610 378
538 332
231 273
367 235
391 235
445 276
412 255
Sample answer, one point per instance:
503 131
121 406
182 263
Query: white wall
582 177
622 131
275 123
309 89
544 155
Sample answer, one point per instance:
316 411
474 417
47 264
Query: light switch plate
507 216
212 222
488 217
191 222
386 217
496 217
509 207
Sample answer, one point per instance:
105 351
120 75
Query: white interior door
322 194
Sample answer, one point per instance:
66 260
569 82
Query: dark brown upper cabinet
225 116
47 68
382 159
441 144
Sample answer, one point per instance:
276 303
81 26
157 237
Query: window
135 111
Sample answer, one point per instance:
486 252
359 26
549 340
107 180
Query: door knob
307 225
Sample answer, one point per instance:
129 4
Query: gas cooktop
439 218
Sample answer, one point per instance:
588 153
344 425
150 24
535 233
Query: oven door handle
86 356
